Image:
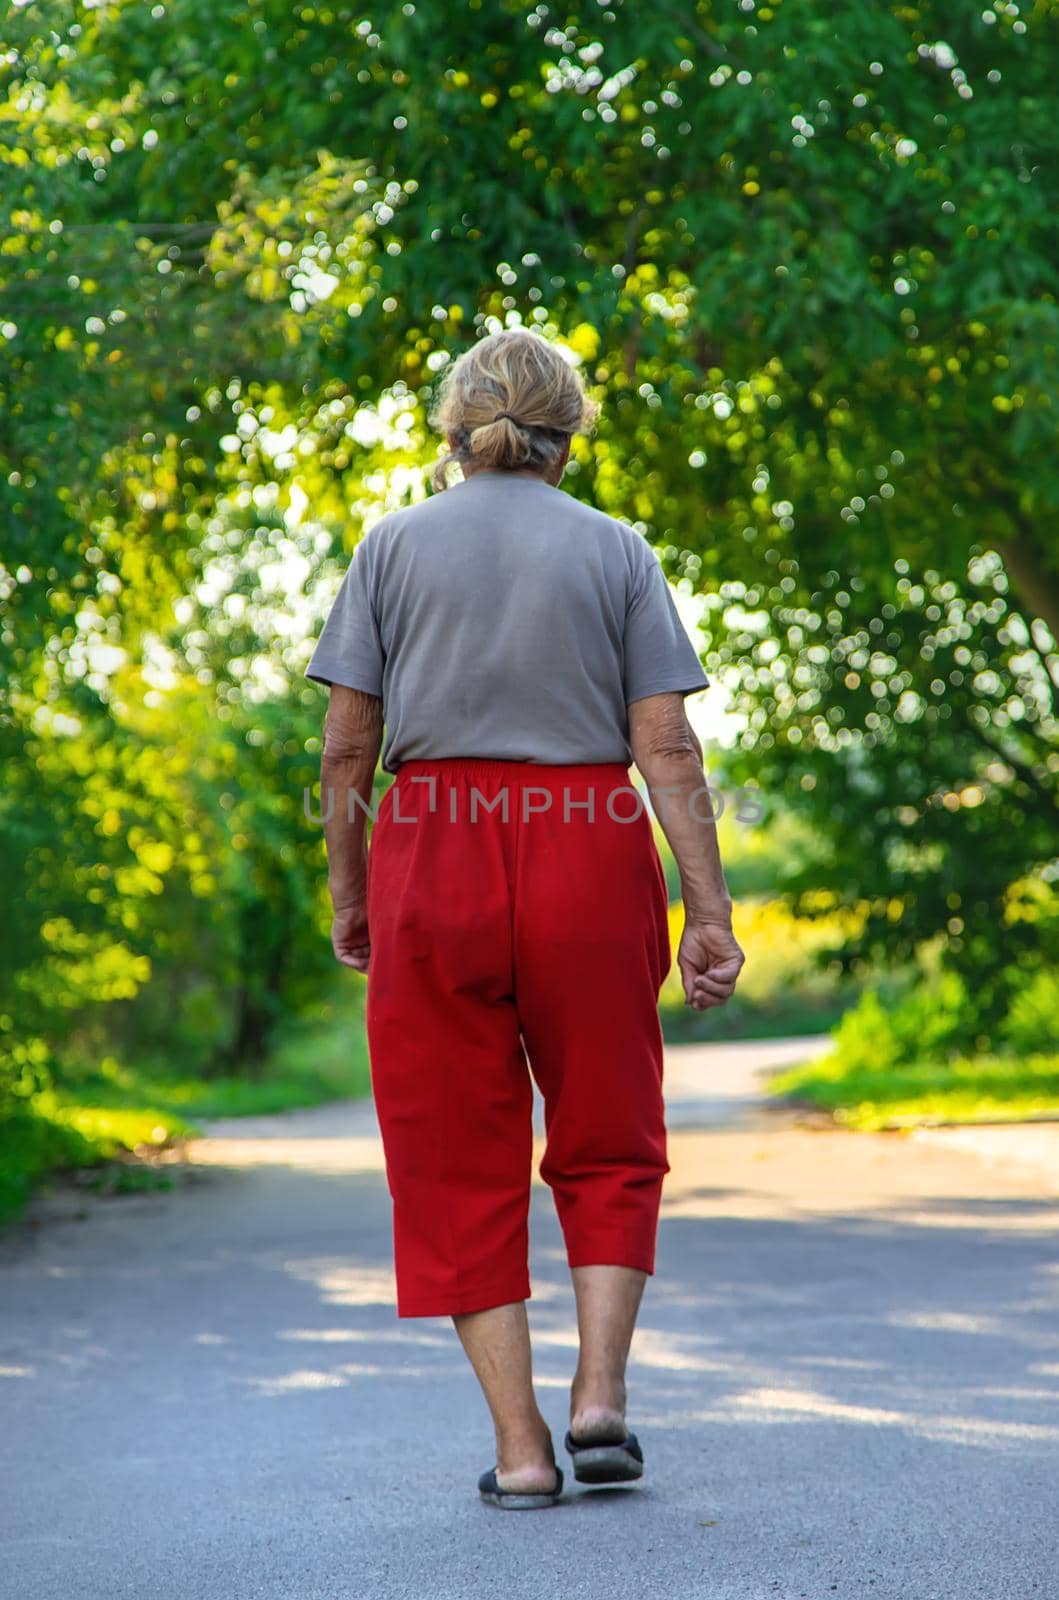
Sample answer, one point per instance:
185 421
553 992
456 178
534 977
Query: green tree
806 257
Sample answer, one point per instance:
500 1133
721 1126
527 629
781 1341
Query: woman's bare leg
608 1300
497 1343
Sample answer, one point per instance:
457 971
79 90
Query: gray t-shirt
503 619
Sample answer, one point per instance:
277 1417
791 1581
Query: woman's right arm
353 729
669 758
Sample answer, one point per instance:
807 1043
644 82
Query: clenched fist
710 961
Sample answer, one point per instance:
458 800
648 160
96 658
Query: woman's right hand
710 961
349 936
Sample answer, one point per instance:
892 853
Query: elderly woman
521 649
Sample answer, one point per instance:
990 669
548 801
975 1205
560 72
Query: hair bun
521 376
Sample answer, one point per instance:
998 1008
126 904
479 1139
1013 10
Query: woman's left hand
349 936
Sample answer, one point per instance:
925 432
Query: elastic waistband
542 774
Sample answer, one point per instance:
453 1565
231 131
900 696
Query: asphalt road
846 1379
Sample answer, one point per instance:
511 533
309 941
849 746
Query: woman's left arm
352 741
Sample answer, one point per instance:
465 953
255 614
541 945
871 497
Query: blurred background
804 254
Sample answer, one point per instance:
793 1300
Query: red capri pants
515 910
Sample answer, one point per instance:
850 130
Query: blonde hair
519 372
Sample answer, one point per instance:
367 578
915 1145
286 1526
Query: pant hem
638 1260
460 1305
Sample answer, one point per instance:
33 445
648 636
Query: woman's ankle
525 1444
597 1407
599 1391
597 1424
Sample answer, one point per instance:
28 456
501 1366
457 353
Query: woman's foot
535 1479
526 1464
593 1424
613 1461
597 1408
601 1446
518 1500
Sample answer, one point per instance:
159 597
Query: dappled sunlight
327 1156
664 1290
293 1381
546 1293
671 1353
1042 1219
864 1213
347 1285
339 1377
1017 1392
556 1338
913 1393
399 1333
325 1335
771 1405
847 1363
856 1355
947 1322
993 1327
865 1182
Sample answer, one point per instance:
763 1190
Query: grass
789 1016
112 1116
969 1090
324 1058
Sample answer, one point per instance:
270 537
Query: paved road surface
846 1379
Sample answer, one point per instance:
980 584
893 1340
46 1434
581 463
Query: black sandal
606 1463
516 1499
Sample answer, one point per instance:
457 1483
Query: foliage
898 1057
921 748
1033 1021
968 1089
805 257
761 858
791 983
36 1136
316 1058
903 1023
101 1113
31 1146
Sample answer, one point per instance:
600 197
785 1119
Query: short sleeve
659 656
349 650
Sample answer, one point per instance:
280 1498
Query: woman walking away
521 649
